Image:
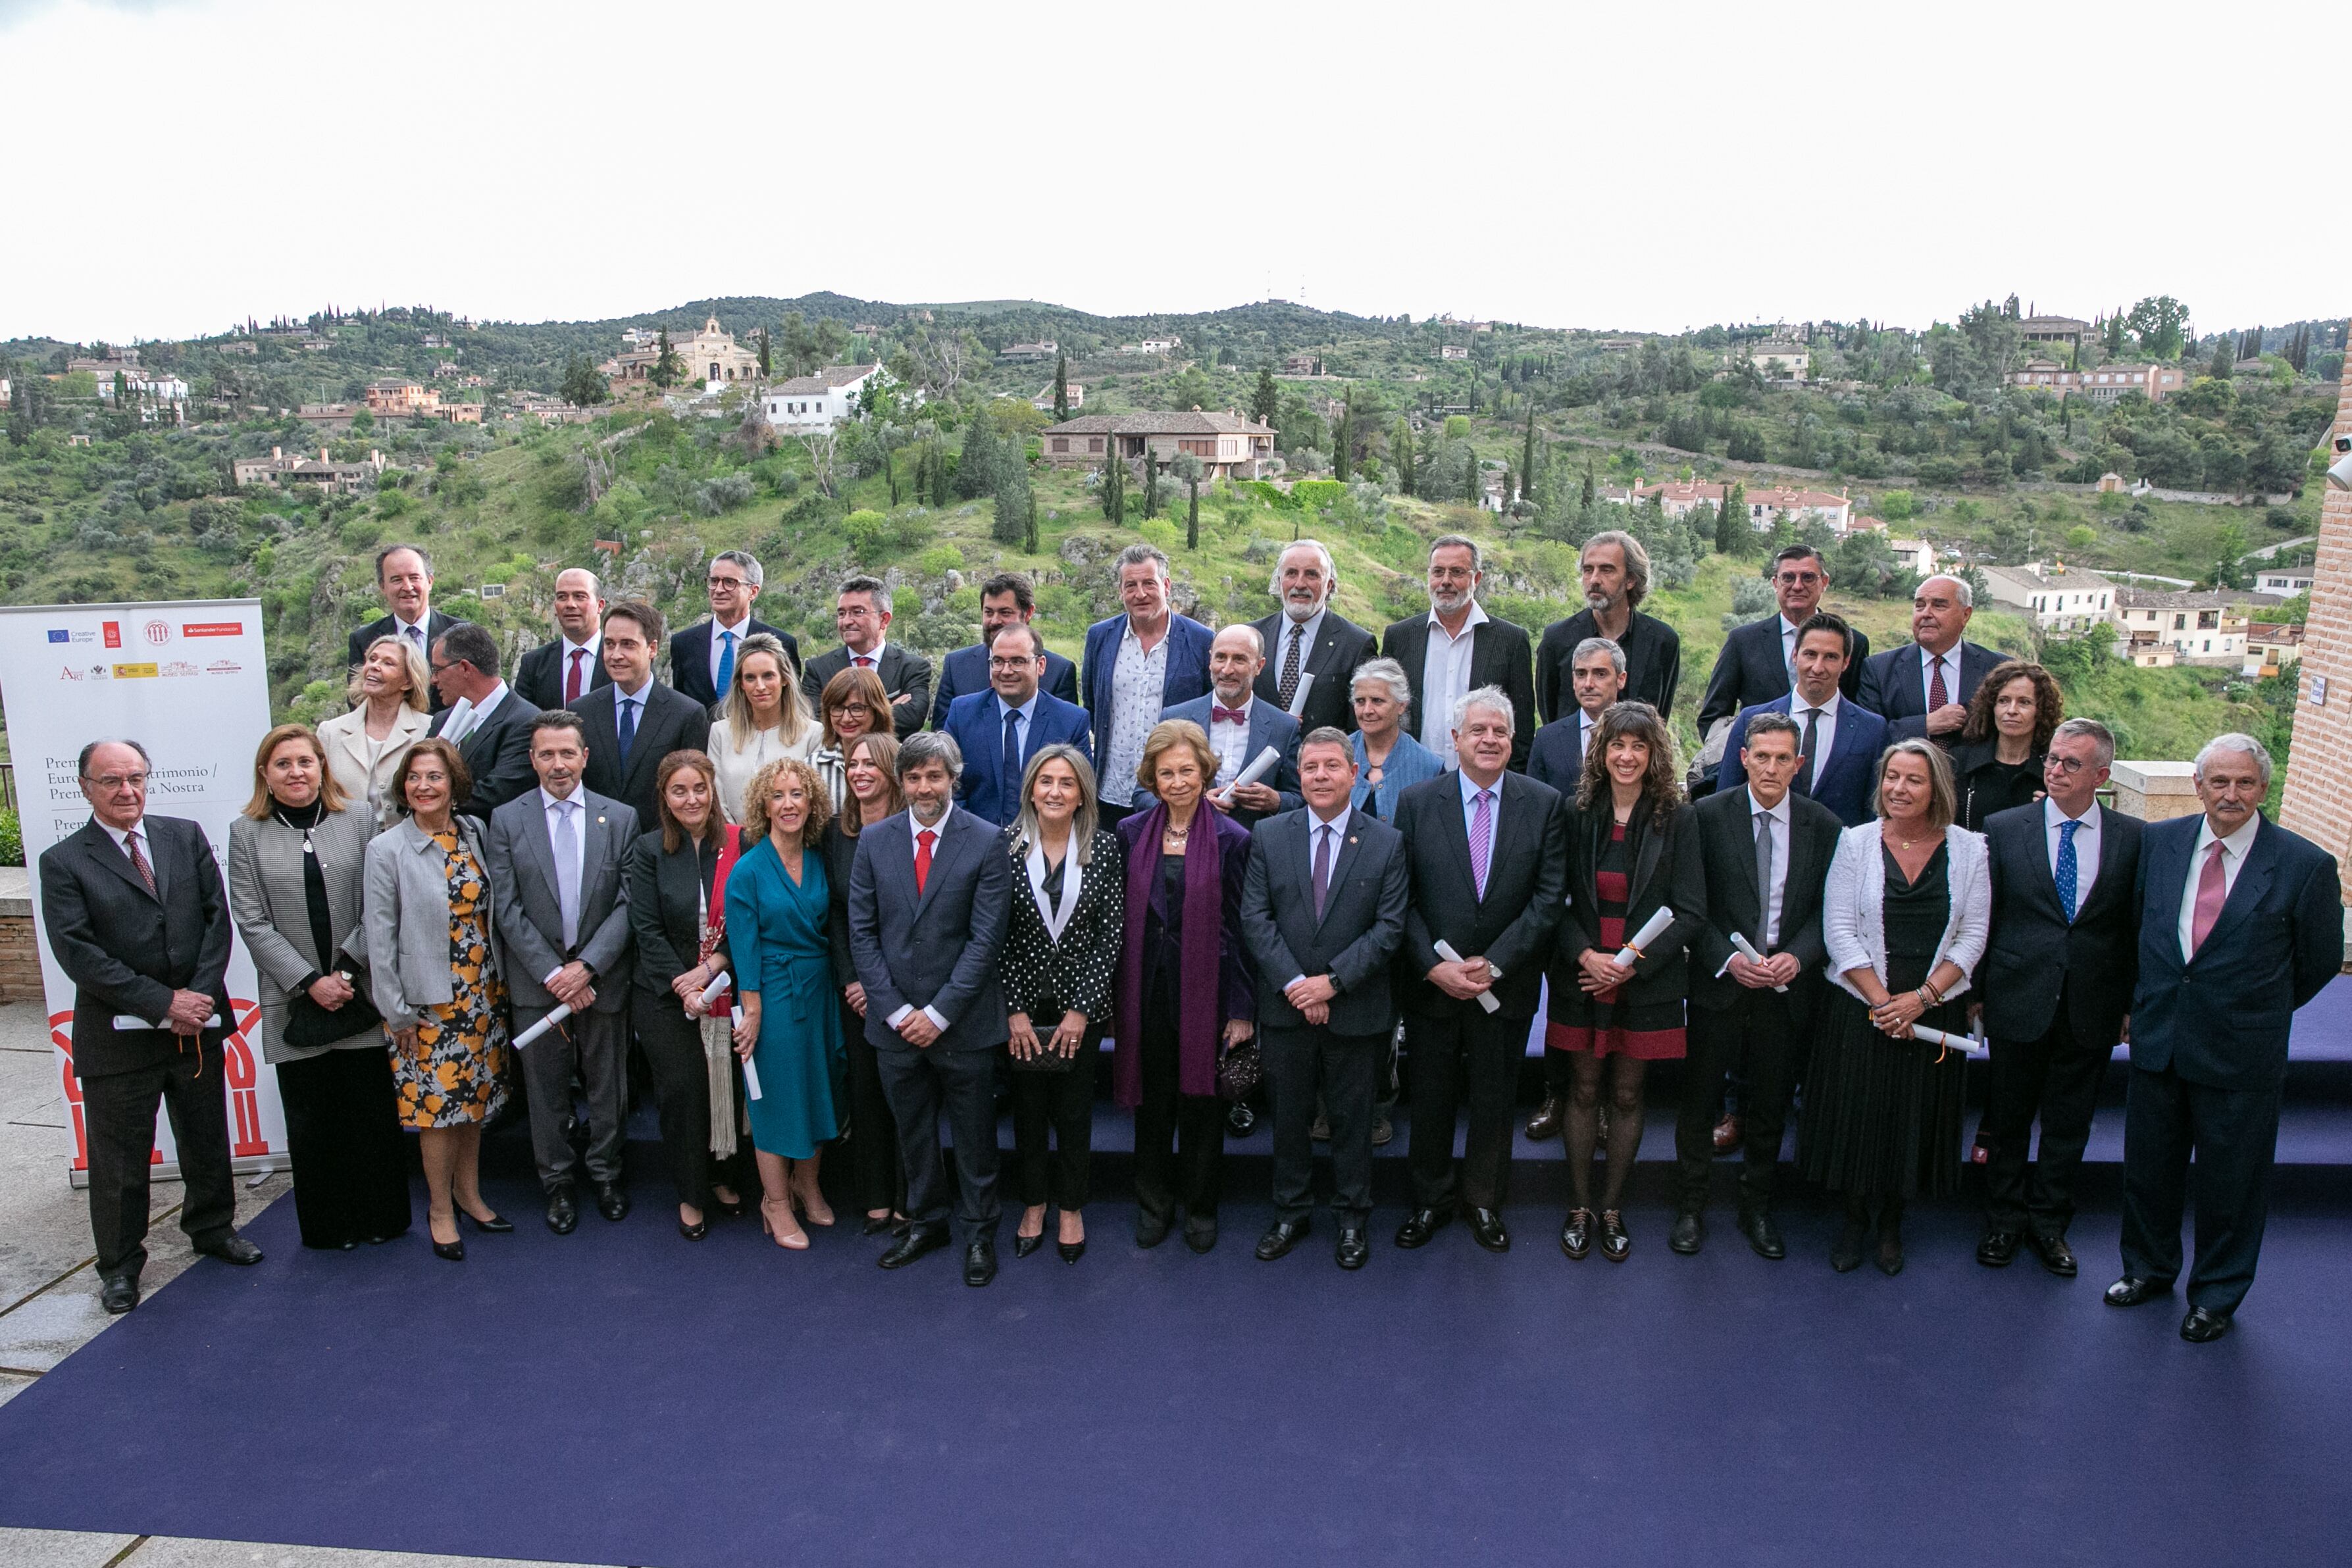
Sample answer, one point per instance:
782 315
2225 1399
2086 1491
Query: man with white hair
1240 725
1136 664
1459 648
1924 689
1311 650
2240 923
1615 572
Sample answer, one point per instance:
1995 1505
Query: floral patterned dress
457 1073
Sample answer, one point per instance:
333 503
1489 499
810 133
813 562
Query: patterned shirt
1139 683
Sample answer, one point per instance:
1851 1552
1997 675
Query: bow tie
1220 714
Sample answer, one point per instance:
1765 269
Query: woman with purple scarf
1185 995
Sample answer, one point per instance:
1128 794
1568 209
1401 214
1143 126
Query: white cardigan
1853 910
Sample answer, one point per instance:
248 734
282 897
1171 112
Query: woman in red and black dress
1632 850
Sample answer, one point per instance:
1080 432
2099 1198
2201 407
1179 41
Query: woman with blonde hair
855 703
760 717
391 696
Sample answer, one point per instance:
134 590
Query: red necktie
863 661
923 858
147 873
2212 892
1219 714
1937 696
571 681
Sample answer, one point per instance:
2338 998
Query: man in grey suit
1239 725
1323 908
929 894
555 860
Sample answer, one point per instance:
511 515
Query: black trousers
595 1045
1760 1029
2234 1135
1179 1139
344 1143
1059 1106
119 1122
878 1174
922 1086
1346 1069
673 1046
1470 1058
2056 1078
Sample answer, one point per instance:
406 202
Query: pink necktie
2212 892
1482 832
1220 713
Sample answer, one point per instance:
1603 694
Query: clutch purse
309 1026
1239 1071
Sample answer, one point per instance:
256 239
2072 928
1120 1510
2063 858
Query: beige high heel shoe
812 1204
796 1239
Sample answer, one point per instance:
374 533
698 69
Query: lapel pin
600 822
1351 838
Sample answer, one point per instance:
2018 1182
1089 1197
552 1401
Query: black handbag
1239 1072
309 1026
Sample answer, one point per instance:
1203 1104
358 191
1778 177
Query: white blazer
344 739
1853 909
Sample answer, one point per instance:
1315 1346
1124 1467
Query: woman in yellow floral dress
433 969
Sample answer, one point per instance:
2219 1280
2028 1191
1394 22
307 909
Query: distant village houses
711 356
1229 446
1044 401
810 403
2059 598
336 478
1781 359
1023 353
2105 384
1765 506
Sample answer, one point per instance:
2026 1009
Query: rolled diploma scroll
460 715
750 1073
1973 1044
1748 951
1652 929
1445 951
1259 766
562 1010
717 989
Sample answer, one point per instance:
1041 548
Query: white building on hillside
2284 581
2060 598
809 403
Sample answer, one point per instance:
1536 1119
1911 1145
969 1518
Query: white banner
188 681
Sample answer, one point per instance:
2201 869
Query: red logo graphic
223 667
114 633
178 667
247 1138
212 629
71 674
157 631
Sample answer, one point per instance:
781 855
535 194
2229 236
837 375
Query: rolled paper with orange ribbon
556 1015
1652 929
1973 1044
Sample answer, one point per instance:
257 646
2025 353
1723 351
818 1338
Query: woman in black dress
1903 918
870 784
1061 952
1998 764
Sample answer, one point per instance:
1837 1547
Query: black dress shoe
229 1247
496 1225
1420 1225
876 1224
1280 1237
1999 1248
1025 1245
1847 1256
1890 1253
918 1239
1151 1230
1199 1231
1354 1250
1544 1123
120 1295
1576 1234
1615 1244
1763 1235
1071 1251
1685 1235
1486 1230
2055 1255
453 1250
737 1209
980 1262
562 1211
612 1200
2133 1289
696 1231
2203 1325
1240 1120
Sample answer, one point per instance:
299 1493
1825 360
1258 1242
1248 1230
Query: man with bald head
559 673
1239 725
1311 650
1924 689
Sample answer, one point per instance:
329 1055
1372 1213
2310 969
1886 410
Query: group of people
830 905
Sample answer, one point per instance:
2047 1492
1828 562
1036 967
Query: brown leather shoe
1727 1135
1544 1123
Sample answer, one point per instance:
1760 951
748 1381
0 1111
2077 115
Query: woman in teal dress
791 1032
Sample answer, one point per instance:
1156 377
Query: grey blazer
531 919
272 913
938 948
407 920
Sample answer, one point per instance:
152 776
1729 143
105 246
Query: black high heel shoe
696 1231
735 1211
453 1250
1025 1245
496 1225
1071 1251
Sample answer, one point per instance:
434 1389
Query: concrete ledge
2156 791
16 892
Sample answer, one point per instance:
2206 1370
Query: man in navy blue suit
1005 600
1239 726
2240 923
1842 741
1924 689
1596 678
1000 729
1137 666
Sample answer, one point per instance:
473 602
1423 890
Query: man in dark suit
636 721
1239 725
929 894
1459 648
1766 851
1323 913
404 575
1615 571
493 731
1924 689
1841 742
1488 850
556 858
1311 650
138 920
1005 600
702 657
570 664
2240 923
998 731
861 613
1758 660
1137 667
2055 984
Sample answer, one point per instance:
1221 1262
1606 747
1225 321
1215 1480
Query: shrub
1317 494
1750 597
869 536
940 559
1160 531
722 493
12 839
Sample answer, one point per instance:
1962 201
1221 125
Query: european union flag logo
57 636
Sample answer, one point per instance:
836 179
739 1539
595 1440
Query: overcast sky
181 164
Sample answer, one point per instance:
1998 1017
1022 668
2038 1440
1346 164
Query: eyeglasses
2069 766
728 582
112 781
1797 579
1018 661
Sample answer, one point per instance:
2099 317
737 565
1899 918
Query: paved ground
48 1306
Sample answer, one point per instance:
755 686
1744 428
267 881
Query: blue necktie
1008 799
629 727
726 660
2067 868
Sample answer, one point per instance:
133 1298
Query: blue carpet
623 1396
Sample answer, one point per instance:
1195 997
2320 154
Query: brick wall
2319 803
20 961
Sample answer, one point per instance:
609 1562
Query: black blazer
1654 662
1080 970
670 722
384 626
496 755
1360 930
904 674
1499 656
126 949
689 656
1891 689
1556 758
1733 902
1666 875
965 671
840 859
538 675
1985 788
2034 959
1750 671
939 947
1340 645
1512 926
666 891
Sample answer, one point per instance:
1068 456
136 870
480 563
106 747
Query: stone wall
20 960
2318 802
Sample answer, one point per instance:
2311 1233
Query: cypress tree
1265 402
1061 388
1584 501
1151 483
1115 488
1343 446
1731 522
1527 455
1407 479
1029 535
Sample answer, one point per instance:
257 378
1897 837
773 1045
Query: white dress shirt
416 634
938 830
1445 680
1951 663
1324 837
870 660
1778 817
740 629
1305 630
146 847
2233 861
1789 649
629 724
2087 847
1824 729
1229 740
1139 686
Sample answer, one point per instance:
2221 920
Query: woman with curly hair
1633 850
1998 763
